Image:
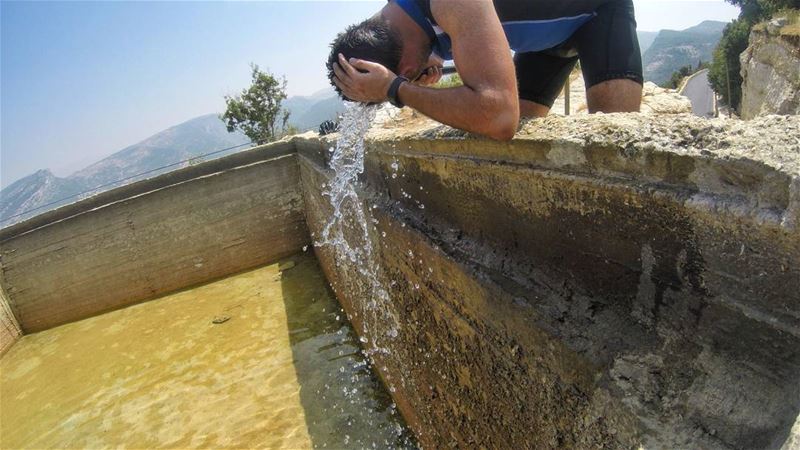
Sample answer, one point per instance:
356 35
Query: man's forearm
489 113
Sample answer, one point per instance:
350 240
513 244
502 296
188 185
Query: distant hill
646 39
672 50
308 112
192 138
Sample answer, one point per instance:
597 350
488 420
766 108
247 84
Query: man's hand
362 81
432 73
429 76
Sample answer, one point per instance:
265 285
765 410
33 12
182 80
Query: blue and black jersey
529 25
549 36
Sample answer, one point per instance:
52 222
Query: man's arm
487 104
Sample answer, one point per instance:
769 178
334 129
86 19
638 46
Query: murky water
283 369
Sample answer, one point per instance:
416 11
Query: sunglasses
446 70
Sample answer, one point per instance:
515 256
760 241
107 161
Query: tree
257 110
724 72
677 77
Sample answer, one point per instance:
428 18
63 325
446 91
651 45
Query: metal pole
728 78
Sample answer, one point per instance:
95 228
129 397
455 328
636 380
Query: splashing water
347 231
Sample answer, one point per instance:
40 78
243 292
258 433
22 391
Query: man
373 61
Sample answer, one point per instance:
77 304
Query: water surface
282 369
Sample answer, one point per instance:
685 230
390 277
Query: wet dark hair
371 40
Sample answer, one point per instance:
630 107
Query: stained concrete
137 242
613 281
9 328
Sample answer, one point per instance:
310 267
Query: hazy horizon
99 77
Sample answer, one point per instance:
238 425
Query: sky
82 80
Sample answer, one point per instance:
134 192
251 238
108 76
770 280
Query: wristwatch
393 89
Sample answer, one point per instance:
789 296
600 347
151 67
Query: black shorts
607 47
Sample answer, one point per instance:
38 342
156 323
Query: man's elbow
503 119
503 132
504 126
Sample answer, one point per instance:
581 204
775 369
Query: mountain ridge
673 49
156 154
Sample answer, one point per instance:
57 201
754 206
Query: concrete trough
601 281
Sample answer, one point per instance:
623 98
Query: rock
771 69
286 265
655 100
658 100
220 319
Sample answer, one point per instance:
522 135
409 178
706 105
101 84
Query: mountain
157 154
646 39
45 191
672 49
33 191
192 138
308 112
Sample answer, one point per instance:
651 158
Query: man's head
376 40
370 40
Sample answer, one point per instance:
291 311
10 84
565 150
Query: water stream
350 229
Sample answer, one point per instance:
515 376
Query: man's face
413 61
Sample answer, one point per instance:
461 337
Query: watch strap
394 88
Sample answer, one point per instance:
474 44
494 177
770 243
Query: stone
658 100
771 69
655 100
286 265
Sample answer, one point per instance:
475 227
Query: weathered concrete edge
249 156
10 330
701 158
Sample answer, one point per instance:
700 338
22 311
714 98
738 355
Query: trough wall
598 282
9 328
152 237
